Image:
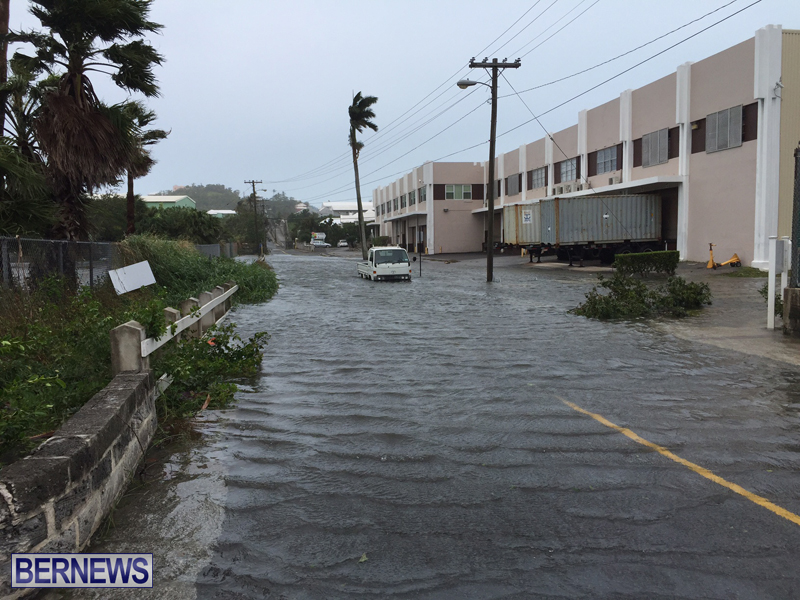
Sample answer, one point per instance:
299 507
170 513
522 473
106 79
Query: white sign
527 217
132 277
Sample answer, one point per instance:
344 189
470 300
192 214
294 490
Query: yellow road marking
782 512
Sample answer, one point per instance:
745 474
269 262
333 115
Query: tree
86 143
141 161
361 114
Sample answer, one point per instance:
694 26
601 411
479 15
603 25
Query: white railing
150 345
131 348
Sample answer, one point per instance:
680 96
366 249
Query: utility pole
495 66
255 215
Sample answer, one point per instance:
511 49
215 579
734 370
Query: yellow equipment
733 261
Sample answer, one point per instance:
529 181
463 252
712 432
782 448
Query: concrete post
208 319
219 311
227 286
171 316
186 309
126 348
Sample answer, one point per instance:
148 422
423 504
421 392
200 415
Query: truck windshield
390 256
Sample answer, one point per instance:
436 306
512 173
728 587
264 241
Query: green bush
647 262
183 272
630 298
764 291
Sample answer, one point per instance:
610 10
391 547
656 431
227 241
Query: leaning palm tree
141 161
361 114
86 143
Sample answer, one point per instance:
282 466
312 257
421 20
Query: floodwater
411 440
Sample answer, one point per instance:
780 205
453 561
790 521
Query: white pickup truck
386 263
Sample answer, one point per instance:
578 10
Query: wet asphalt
413 440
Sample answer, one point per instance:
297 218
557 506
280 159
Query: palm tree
86 143
141 162
360 114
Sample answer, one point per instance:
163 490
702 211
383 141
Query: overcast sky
259 89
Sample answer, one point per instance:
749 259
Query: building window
655 148
412 198
423 194
394 204
403 201
513 185
537 178
607 160
724 129
458 191
568 169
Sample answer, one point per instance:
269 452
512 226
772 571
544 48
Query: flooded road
415 440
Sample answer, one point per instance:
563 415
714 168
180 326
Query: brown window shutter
577 167
546 175
750 122
557 173
637 152
477 191
499 191
674 143
530 180
519 181
619 157
505 183
438 191
591 168
699 136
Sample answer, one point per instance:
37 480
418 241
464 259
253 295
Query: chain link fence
24 261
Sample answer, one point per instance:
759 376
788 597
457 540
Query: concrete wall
56 498
725 214
654 106
790 126
603 126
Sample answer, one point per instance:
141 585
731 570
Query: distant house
169 201
221 213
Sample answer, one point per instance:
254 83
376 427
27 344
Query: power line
308 174
594 87
567 24
573 97
605 62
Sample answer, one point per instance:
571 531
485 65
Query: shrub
764 291
183 272
647 262
630 298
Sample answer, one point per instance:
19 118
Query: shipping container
521 224
600 220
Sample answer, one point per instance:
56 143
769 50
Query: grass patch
744 272
627 297
55 352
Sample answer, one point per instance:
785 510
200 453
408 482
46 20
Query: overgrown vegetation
629 298
55 351
764 291
642 263
183 273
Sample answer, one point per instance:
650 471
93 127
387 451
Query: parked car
342 244
320 244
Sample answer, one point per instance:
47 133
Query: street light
495 66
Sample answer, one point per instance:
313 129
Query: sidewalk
736 319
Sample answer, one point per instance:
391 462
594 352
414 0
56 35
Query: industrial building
714 140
